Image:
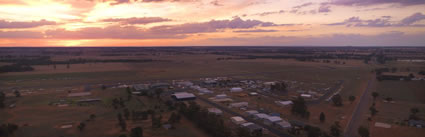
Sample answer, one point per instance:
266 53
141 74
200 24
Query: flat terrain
48 84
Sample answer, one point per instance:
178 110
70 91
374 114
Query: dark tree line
7 130
212 124
15 68
300 108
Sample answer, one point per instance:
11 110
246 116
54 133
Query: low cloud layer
19 24
144 20
157 32
384 21
375 2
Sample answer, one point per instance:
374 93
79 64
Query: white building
181 96
236 89
283 124
215 111
306 95
284 103
251 112
260 116
272 120
238 120
239 104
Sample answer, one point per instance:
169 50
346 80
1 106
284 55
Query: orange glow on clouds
211 22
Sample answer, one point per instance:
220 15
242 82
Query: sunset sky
212 23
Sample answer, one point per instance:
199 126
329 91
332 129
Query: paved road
228 110
360 112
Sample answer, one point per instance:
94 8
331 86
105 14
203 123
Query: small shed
283 124
246 124
238 120
306 95
215 111
253 94
251 112
236 89
382 125
182 96
221 96
239 104
284 103
272 120
260 116
79 94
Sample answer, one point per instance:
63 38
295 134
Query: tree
7 129
126 113
373 110
352 98
123 125
128 93
81 126
136 132
336 129
337 100
363 132
103 87
413 112
299 107
92 116
375 95
17 93
313 131
322 117
2 99
173 118
158 92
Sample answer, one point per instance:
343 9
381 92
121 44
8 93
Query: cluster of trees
337 100
334 131
212 124
117 103
422 72
300 108
15 68
413 112
278 86
7 130
121 122
372 109
135 132
46 60
2 99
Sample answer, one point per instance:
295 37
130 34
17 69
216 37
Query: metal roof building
181 96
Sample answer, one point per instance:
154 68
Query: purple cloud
18 24
302 5
134 20
270 13
20 34
383 21
324 8
375 2
212 26
216 3
157 32
255 30
412 19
